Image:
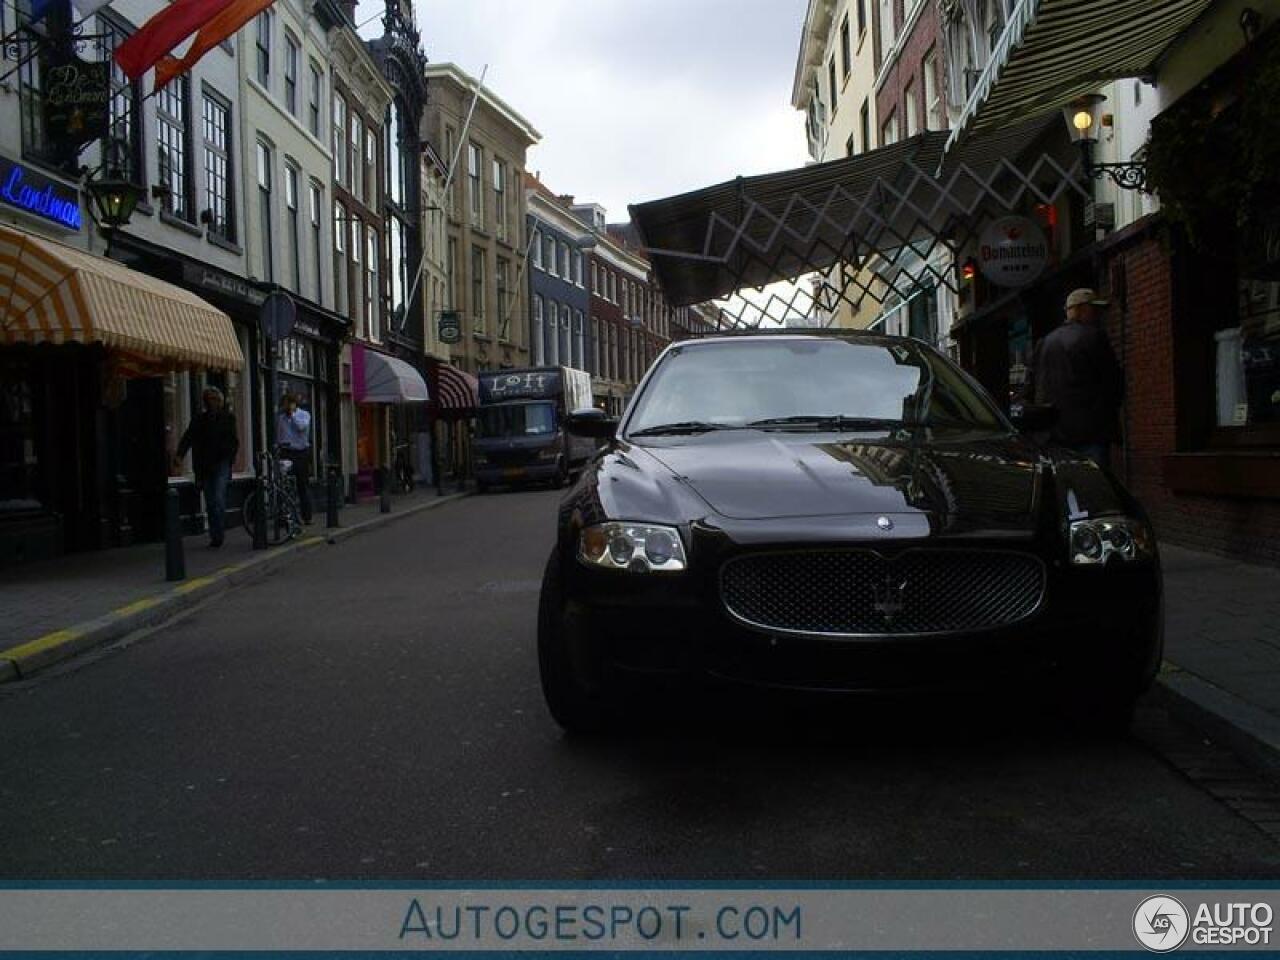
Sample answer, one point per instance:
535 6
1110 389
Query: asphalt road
374 713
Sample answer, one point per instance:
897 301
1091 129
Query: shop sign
76 103
449 326
36 194
1012 251
208 278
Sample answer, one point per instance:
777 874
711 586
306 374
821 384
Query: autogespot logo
1161 923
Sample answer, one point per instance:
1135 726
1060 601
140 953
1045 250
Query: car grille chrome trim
863 593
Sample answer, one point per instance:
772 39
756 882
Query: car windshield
517 420
807 384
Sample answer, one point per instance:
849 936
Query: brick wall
1144 337
907 68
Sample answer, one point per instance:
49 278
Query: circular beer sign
1012 251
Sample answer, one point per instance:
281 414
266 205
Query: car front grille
860 592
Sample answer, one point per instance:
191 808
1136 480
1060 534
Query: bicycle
284 522
402 470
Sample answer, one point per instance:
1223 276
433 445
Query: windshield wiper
828 422
682 426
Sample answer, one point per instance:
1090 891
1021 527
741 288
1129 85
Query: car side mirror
1034 417
590 422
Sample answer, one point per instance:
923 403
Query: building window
371 293
315 98
862 17
122 147
565 338
934 119
864 125
477 291
173 125
355 167
371 165
886 29
846 51
397 245
263 40
539 331
849 149
831 83
339 140
535 247
549 253
564 261
218 199
577 267
579 343
500 198
912 108
475 176
316 196
613 287
451 270
291 214
354 242
503 278
264 212
291 75
339 259
889 130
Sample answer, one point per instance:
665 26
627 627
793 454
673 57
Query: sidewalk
1222 650
56 608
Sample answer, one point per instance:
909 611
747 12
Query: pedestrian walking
293 434
211 438
1075 371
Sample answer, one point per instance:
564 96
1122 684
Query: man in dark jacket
1075 371
211 438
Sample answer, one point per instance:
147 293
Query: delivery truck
520 434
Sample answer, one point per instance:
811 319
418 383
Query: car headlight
1104 539
637 547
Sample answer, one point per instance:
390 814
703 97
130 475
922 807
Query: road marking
146 603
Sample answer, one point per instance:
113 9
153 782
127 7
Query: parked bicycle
402 470
284 521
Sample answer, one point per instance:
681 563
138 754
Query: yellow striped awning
53 293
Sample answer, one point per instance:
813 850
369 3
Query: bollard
175 565
331 491
384 490
260 516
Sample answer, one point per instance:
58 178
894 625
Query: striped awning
457 392
54 293
1053 51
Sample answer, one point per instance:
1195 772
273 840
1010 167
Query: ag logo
1161 923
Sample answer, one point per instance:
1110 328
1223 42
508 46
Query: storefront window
1247 359
19 466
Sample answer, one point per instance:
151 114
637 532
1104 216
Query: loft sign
1012 251
38 195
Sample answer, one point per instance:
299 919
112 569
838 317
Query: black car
844 512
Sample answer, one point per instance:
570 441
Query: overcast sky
634 100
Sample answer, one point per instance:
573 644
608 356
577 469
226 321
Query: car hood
950 478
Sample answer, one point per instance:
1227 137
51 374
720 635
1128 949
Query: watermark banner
669 919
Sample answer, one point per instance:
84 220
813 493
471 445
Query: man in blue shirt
293 434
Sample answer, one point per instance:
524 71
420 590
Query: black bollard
175 564
331 492
260 515
384 491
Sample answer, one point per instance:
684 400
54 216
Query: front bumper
533 472
1097 625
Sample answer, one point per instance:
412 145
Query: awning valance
457 392
54 293
388 379
1053 51
890 210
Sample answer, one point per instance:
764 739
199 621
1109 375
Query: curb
20 662
1250 732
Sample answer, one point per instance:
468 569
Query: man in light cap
1075 371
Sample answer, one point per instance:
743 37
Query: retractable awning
1053 51
386 379
888 211
457 392
53 293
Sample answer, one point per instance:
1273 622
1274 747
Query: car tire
578 703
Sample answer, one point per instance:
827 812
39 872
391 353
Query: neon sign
38 195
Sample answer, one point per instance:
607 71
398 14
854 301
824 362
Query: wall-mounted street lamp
112 198
1084 122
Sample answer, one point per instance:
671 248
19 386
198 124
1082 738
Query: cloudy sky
635 100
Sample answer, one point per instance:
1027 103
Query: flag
164 31
227 21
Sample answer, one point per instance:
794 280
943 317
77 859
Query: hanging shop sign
449 326
34 193
1012 251
77 98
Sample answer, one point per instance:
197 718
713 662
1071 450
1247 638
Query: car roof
802 333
